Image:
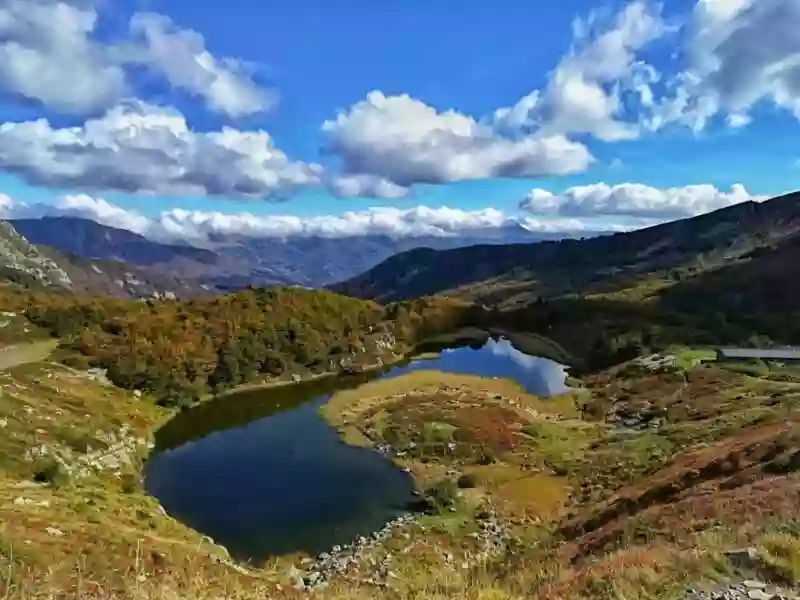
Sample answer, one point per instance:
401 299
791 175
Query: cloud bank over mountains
731 56
627 206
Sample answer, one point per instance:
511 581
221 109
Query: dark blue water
262 474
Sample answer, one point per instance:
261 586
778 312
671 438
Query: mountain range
516 273
503 266
229 263
31 265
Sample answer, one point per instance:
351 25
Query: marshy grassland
636 485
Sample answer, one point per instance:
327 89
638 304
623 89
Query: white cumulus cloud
136 147
400 140
395 222
50 52
201 227
739 53
181 56
585 91
76 205
366 185
635 201
47 53
404 141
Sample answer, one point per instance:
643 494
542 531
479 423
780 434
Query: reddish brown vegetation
735 476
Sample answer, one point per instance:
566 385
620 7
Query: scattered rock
743 558
54 532
343 558
754 585
746 590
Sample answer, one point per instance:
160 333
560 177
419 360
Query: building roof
771 353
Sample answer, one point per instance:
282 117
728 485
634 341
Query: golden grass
47 403
99 530
539 496
346 405
781 553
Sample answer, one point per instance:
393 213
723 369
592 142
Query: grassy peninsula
645 482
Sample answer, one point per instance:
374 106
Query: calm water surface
262 474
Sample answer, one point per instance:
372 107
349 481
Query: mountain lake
261 473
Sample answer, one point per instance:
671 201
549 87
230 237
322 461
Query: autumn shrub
50 471
442 494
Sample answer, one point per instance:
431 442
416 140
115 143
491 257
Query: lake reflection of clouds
499 358
550 373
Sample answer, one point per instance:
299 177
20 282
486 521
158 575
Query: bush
466 481
485 457
442 494
51 472
77 361
130 483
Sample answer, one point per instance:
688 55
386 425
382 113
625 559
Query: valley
399 300
647 478
647 470
229 263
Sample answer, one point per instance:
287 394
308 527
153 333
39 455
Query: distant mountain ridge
234 262
89 239
500 273
25 263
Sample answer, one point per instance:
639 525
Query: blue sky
617 113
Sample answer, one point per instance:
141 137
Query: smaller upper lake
263 474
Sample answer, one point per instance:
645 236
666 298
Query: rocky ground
369 559
748 589
17 254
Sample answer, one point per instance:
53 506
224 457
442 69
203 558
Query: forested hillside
180 351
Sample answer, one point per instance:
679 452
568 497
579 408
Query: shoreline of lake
527 343
311 467
463 337
280 383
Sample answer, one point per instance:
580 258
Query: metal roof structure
764 353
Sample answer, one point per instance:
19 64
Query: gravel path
20 354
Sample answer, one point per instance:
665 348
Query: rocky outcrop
119 450
367 561
18 254
745 590
353 558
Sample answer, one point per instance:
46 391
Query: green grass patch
434 431
688 358
780 553
558 446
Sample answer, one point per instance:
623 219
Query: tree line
180 351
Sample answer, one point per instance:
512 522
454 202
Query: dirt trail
19 354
